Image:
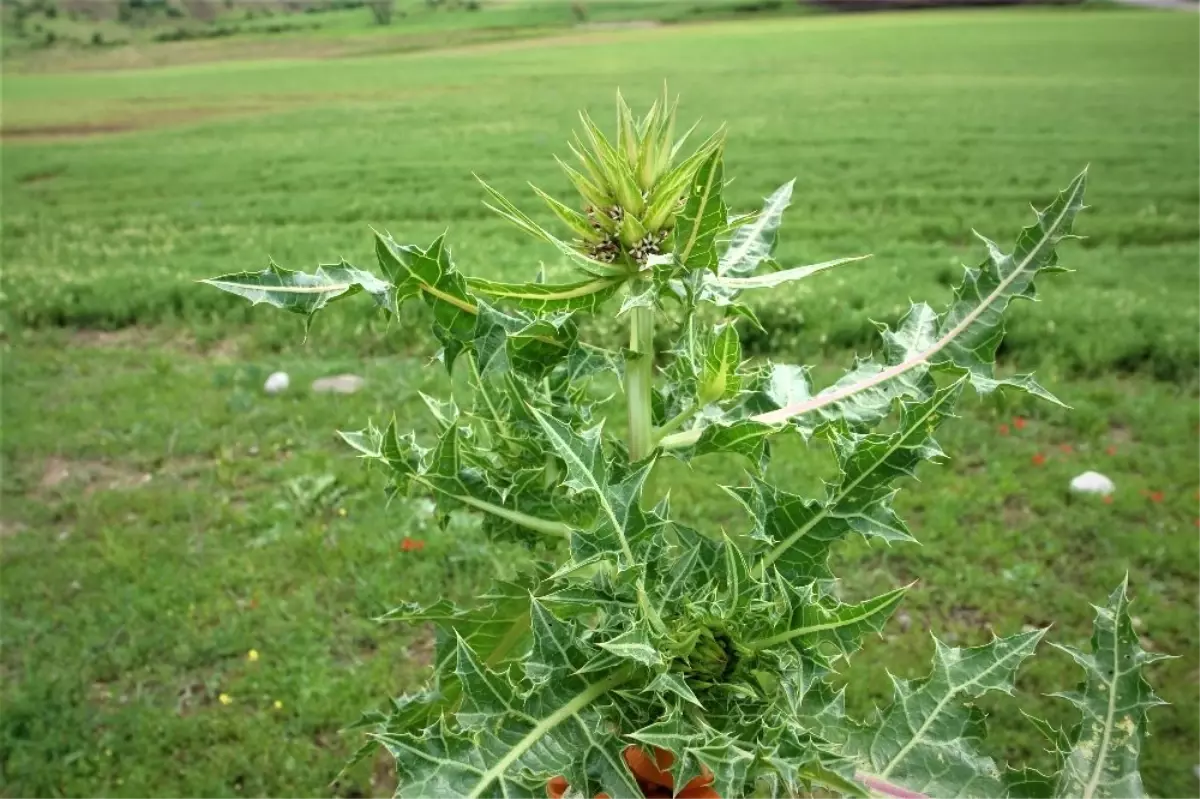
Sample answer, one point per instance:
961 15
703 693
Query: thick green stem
639 382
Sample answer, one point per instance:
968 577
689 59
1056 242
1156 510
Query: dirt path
1175 5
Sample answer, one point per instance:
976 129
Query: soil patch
62 131
39 177
138 338
91 475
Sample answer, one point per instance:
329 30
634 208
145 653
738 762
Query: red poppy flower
1019 422
1039 459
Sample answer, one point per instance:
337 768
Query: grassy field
223 29
191 568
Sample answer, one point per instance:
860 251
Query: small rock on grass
277 383
338 384
1092 483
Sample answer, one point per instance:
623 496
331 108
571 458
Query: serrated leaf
812 621
516 341
668 682
719 377
743 437
634 645
442 473
300 292
515 752
860 499
755 242
702 217
927 739
967 334
584 295
774 279
620 519
1104 746
973 326
430 274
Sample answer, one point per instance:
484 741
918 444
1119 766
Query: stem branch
676 421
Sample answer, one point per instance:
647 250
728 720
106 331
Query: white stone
339 384
277 383
1092 483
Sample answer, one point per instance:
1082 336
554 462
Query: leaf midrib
1089 788
954 691
568 710
828 507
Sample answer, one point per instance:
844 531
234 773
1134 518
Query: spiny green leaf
558 730
719 377
1101 758
812 621
927 739
860 499
973 326
703 215
773 279
585 295
302 293
442 473
744 437
429 273
966 336
754 243
634 645
517 341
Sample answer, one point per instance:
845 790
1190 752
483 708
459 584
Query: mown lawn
162 517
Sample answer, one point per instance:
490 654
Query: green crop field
191 568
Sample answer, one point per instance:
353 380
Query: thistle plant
632 636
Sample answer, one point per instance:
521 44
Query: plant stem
639 381
678 420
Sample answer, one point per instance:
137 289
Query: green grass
129 605
265 28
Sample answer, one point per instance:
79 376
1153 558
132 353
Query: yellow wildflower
279 704
252 655
225 699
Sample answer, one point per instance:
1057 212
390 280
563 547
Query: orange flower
1067 448
1107 499
653 777
1111 450
1003 429
412 544
1156 496
1039 459
1019 422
